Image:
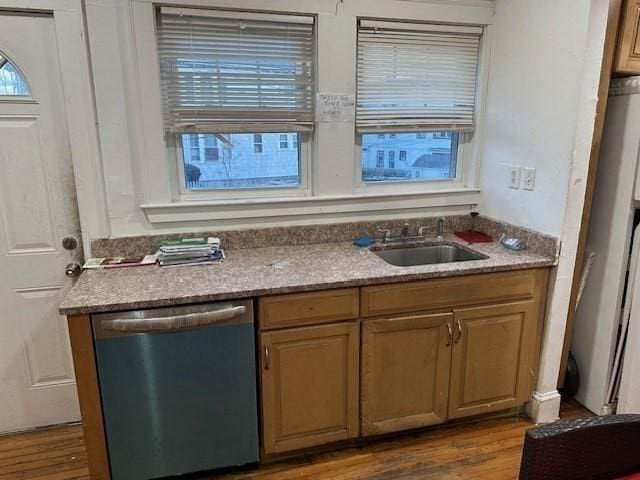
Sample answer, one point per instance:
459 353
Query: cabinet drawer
449 292
278 311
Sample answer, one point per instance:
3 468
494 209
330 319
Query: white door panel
37 209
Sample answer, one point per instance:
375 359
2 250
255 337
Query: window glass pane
422 156
239 161
11 82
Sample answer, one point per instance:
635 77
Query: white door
37 210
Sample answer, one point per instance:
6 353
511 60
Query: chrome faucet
440 228
404 235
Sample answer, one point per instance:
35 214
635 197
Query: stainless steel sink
429 255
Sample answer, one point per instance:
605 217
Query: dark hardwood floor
482 450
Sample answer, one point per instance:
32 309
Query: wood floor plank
481 450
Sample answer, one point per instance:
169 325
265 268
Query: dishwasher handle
188 321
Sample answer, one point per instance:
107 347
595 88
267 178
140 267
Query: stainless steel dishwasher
178 388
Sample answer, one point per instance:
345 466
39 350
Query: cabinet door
309 386
628 48
492 358
405 372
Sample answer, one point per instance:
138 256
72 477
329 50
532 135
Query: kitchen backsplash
326 233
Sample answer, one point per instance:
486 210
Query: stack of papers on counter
116 262
190 251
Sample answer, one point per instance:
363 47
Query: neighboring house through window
194 147
210 148
284 141
380 159
257 143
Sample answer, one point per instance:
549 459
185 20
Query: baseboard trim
544 407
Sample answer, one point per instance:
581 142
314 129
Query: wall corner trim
544 407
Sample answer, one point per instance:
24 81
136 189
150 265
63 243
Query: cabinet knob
449 334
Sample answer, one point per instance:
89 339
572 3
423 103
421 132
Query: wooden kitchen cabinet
493 358
310 384
628 48
405 372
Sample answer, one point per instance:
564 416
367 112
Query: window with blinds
230 72
416 77
234 84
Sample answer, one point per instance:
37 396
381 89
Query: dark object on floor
605 447
571 379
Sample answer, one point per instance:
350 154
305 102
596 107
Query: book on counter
190 251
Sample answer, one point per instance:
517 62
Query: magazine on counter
119 262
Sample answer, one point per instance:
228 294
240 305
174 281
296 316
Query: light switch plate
529 179
514 177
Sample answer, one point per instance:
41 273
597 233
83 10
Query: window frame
305 150
215 147
28 97
469 143
330 157
286 141
254 144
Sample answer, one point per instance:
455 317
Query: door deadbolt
69 243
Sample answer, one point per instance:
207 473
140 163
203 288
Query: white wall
537 58
141 196
544 78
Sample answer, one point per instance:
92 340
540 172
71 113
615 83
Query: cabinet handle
267 358
459 325
450 334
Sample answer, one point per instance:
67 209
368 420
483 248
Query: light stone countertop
271 270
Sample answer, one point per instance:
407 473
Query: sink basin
429 255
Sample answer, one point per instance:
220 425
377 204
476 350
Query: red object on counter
473 236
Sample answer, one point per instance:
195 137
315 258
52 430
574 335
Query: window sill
306 207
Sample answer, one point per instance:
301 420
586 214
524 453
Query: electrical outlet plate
529 179
514 177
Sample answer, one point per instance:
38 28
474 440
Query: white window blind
416 77
235 72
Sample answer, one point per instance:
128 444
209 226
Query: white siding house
406 156
241 160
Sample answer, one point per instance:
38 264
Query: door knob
72 269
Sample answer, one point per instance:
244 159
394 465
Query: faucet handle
422 230
386 233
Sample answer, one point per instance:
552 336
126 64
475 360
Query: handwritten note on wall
333 107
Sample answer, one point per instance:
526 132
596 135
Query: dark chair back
593 448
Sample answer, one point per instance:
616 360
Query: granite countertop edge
84 303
